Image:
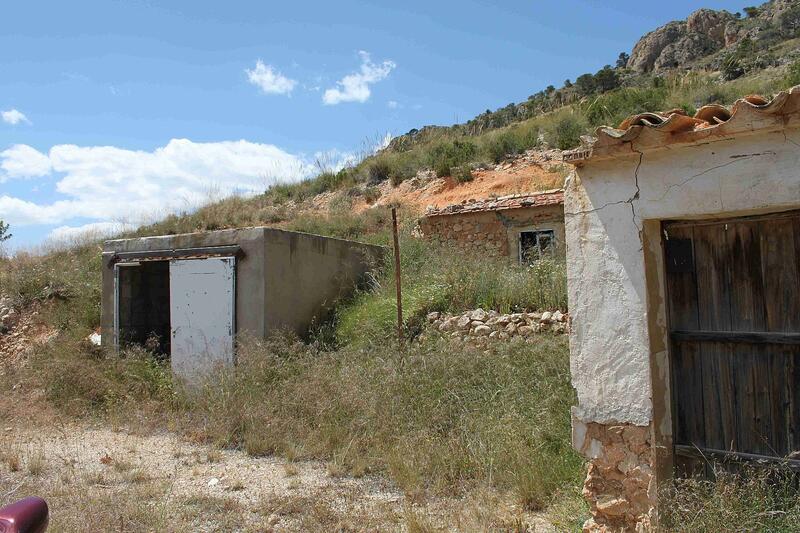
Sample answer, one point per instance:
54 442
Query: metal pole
397 277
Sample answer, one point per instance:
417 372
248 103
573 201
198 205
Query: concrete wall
493 233
306 274
618 337
606 205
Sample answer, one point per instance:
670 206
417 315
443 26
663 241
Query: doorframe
116 300
660 353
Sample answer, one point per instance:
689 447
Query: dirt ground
536 171
97 479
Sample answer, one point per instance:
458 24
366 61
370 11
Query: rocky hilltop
680 43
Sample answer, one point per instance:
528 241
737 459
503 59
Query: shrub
447 154
732 68
566 133
441 279
404 167
793 74
371 194
613 107
379 171
463 173
498 147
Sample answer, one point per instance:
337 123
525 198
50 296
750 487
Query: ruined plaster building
683 253
521 226
189 296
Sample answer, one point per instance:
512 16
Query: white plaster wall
605 205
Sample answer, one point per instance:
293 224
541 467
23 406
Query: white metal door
202 303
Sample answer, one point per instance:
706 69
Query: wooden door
733 290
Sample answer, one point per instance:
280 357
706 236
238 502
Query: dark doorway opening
144 310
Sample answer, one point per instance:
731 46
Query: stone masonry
491 227
619 484
482 326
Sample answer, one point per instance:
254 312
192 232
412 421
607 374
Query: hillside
456 434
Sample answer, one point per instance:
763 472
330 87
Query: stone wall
492 233
479 325
619 485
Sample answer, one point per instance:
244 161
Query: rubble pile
8 315
484 325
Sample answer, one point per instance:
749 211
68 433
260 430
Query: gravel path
98 479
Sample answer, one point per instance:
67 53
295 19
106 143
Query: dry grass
440 418
753 500
36 464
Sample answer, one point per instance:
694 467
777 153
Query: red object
29 515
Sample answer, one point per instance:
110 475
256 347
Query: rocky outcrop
678 43
709 23
690 47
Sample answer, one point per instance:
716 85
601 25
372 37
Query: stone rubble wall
484 326
482 233
491 233
619 485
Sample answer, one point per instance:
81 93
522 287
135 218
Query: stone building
522 226
683 258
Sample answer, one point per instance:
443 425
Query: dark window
533 245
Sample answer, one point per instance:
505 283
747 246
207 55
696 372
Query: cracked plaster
606 203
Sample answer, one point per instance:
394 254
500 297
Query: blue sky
118 112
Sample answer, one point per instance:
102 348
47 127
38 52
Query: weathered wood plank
712 252
780 258
749 337
686 368
711 453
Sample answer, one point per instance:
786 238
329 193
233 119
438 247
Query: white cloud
22 161
392 104
14 117
355 87
385 140
92 230
106 183
269 80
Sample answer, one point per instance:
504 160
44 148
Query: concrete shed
188 296
683 254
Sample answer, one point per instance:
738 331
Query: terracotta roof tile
501 203
654 130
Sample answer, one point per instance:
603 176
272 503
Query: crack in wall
638 190
736 159
629 201
788 140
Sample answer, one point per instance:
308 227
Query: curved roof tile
648 131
